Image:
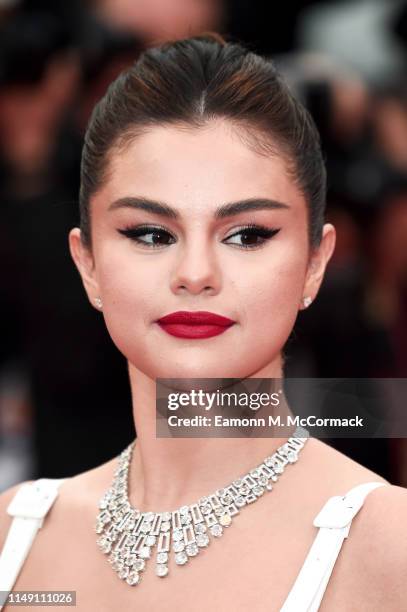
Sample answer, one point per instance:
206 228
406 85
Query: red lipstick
196 324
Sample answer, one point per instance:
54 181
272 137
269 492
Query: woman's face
197 260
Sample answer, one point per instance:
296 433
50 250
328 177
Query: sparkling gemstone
255 473
130 559
139 565
145 527
237 482
184 510
292 457
240 501
114 556
178 546
206 509
216 530
219 511
165 526
221 492
161 570
263 480
192 549
225 520
185 519
150 540
177 534
133 578
258 490
131 540
145 552
114 534
149 516
200 528
166 516
226 499
274 478
269 486
162 557
124 572
181 558
244 490
203 501
105 545
202 539
99 527
130 525
269 461
103 503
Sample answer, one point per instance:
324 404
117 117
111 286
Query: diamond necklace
128 535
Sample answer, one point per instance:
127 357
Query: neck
166 473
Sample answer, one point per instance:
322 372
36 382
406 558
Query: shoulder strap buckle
336 513
339 511
33 500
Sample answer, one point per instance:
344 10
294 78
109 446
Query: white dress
32 501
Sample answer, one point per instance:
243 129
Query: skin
195 172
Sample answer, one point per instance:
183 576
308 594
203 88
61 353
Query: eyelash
252 229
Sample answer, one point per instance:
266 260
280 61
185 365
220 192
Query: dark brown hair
191 82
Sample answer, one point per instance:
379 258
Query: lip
194 324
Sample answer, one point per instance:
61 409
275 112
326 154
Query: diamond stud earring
306 301
98 302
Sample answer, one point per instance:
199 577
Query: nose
196 269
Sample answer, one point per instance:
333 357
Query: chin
199 372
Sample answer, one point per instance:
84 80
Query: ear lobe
84 262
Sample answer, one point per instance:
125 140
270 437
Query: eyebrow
225 210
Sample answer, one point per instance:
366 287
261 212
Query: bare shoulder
377 548
336 471
382 532
78 496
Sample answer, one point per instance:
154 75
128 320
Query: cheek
130 294
270 296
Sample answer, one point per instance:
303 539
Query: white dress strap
28 507
334 521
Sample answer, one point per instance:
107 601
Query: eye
155 236
250 235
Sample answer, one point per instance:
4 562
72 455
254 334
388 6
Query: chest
243 570
253 566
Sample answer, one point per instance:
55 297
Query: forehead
195 169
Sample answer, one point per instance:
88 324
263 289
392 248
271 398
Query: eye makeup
251 231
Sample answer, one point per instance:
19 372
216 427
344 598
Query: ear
318 261
84 261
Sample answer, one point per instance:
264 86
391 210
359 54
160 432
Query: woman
203 189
